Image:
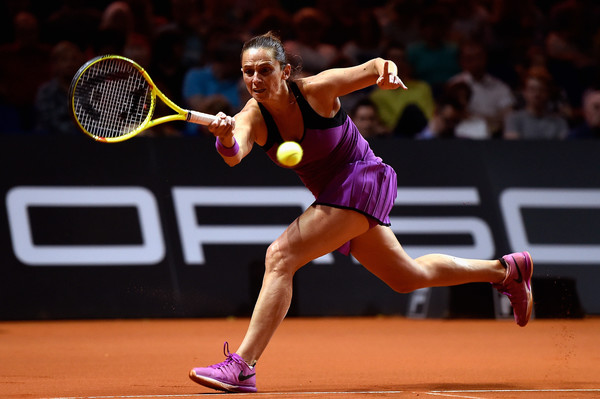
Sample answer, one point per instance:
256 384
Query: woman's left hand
389 80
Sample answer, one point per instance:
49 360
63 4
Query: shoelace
230 358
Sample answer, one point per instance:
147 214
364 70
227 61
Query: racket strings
112 99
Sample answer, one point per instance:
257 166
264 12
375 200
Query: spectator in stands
449 112
590 127
469 20
167 61
434 58
52 111
217 86
399 20
536 121
471 126
119 17
75 21
366 39
167 72
405 112
515 26
342 19
309 25
453 119
187 16
491 98
569 42
24 66
365 117
274 19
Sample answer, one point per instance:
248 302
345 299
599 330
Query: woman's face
263 74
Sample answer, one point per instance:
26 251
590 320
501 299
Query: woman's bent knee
406 287
406 278
277 260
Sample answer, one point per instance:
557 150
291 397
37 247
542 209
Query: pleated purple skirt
368 187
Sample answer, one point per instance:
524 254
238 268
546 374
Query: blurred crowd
475 69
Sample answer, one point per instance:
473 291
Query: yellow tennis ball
289 153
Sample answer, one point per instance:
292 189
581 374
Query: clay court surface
380 357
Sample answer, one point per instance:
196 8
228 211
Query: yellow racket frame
181 114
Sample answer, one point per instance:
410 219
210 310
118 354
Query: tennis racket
113 99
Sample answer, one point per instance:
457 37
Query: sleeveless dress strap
273 135
311 118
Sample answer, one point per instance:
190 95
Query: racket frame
181 114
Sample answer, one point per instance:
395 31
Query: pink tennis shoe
232 375
517 285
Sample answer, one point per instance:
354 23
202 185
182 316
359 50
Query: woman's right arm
239 131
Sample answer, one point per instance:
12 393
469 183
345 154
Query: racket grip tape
200 118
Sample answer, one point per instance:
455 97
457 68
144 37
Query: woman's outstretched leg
379 251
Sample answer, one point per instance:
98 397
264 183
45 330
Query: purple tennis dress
338 166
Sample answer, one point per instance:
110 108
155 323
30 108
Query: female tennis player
354 193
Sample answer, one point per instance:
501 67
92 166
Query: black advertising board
163 228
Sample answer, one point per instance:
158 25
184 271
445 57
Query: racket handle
200 118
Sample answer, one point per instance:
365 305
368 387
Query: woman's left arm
342 81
